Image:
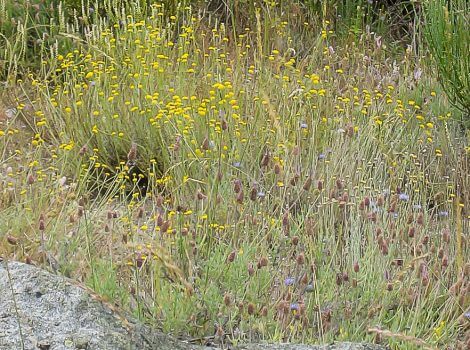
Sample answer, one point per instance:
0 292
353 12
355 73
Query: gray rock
39 310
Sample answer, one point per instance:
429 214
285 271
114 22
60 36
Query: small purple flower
467 315
261 194
403 197
417 206
303 125
322 156
289 281
294 307
237 164
443 214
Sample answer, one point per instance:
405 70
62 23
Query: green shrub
448 38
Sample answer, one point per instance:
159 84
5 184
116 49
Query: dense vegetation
239 171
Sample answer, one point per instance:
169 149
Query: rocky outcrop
39 310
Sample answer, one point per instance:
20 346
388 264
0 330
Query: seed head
262 262
223 124
42 225
295 179
200 196
295 240
240 197
205 144
440 253
237 186
446 235
444 261
165 226
320 185
420 219
339 184
83 150
264 311
251 270
265 160
300 259
356 267
219 332
227 299
159 201
231 256
339 279
251 309
139 261
285 219
132 154
30 180
12 240
307 184
253 193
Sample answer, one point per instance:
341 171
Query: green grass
233 184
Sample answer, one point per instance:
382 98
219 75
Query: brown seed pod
205 144
262 262
339 184
420 219
231 256
300 259
237 185
320 185
132 154
265 160
30 179
446 235
200 196
307 184
295 179
165 226
83 150
251 309
251 270
159 201
264 311
240 197
227 299
253 194
12 240
140 213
